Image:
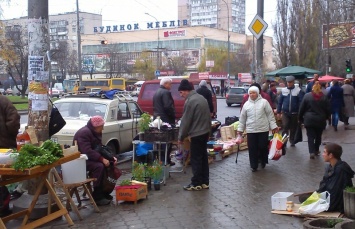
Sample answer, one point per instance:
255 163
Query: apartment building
218 14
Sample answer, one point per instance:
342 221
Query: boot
99 197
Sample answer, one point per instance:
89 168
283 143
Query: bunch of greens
30 155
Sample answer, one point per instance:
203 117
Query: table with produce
29 162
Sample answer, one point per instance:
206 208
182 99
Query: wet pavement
237 198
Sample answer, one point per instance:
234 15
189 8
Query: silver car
121 117
235 95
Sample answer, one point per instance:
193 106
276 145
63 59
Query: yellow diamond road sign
257 26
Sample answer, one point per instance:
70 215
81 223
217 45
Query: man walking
205 92
310 84
195 124
289 104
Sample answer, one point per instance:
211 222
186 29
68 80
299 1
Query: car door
125 124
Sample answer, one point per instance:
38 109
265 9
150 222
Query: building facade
214 14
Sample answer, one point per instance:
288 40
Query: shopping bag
298 134
56 121
275 147
315 203
111 176
230 120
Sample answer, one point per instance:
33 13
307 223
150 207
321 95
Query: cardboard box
131 193
279 199
227 133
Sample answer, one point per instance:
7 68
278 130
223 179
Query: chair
70 189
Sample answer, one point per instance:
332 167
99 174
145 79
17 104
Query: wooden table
10 175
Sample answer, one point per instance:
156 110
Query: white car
121 117
55 92
136 91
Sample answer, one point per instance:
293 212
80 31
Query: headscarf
254 88
97 121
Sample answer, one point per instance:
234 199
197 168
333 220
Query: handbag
105 152
112 173
315 203
298 134
56 121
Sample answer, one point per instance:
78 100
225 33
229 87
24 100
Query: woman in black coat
336 96
314 112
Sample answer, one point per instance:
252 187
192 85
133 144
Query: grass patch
21 106
21 103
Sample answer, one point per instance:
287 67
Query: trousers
199 160
258 148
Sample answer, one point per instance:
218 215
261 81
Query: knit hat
203 83
254 88
185 86
97 121
290 78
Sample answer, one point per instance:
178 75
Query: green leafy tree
144 66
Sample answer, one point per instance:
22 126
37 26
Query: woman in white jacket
257 118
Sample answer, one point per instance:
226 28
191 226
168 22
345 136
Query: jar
22 139
289 206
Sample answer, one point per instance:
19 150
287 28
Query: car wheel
229 104
112 146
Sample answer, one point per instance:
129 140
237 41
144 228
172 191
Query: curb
22 112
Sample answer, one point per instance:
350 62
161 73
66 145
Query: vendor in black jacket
337 176
205 92
163 102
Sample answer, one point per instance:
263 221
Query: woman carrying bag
314 113
257 118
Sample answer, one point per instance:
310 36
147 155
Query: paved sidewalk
237 198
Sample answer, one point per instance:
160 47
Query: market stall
10 175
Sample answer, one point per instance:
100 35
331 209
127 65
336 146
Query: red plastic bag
275 147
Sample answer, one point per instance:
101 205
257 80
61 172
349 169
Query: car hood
71 127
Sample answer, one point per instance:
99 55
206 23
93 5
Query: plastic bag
275 147
316 203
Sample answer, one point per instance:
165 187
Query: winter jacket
87 140
349 100
9 123
256 116
314 113
335 180
336 98
205 92
196 118
290 100
163 105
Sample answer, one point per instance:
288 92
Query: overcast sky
129 11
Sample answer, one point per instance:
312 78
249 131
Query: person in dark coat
205 92
337 176
9 126
88 139
314 112
163 102
311 83
336 96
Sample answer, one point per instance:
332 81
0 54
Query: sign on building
341 35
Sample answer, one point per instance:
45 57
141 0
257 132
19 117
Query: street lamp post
229 62
158 47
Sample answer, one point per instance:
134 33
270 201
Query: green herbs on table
144 122
30 155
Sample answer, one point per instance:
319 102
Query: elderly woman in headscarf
349 100
314 112
257 118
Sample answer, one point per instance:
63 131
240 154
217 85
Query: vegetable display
30 155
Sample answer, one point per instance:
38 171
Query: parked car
148 89
235 95
121 117
55 92
136 91
8 91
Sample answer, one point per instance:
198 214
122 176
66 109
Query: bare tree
14 52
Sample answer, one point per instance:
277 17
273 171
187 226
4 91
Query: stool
70 189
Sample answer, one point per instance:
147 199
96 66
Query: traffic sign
157 73
257 26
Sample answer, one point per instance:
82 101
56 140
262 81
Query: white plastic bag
316 203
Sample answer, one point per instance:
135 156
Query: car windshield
81 110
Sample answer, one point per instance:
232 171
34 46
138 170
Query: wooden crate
131 193
227 133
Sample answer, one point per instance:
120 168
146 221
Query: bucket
74 171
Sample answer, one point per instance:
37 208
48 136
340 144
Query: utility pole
327 67
229 60
38 103
79 41
260 41
158 47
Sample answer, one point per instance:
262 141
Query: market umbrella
328 78
293 70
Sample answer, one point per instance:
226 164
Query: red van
148 89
